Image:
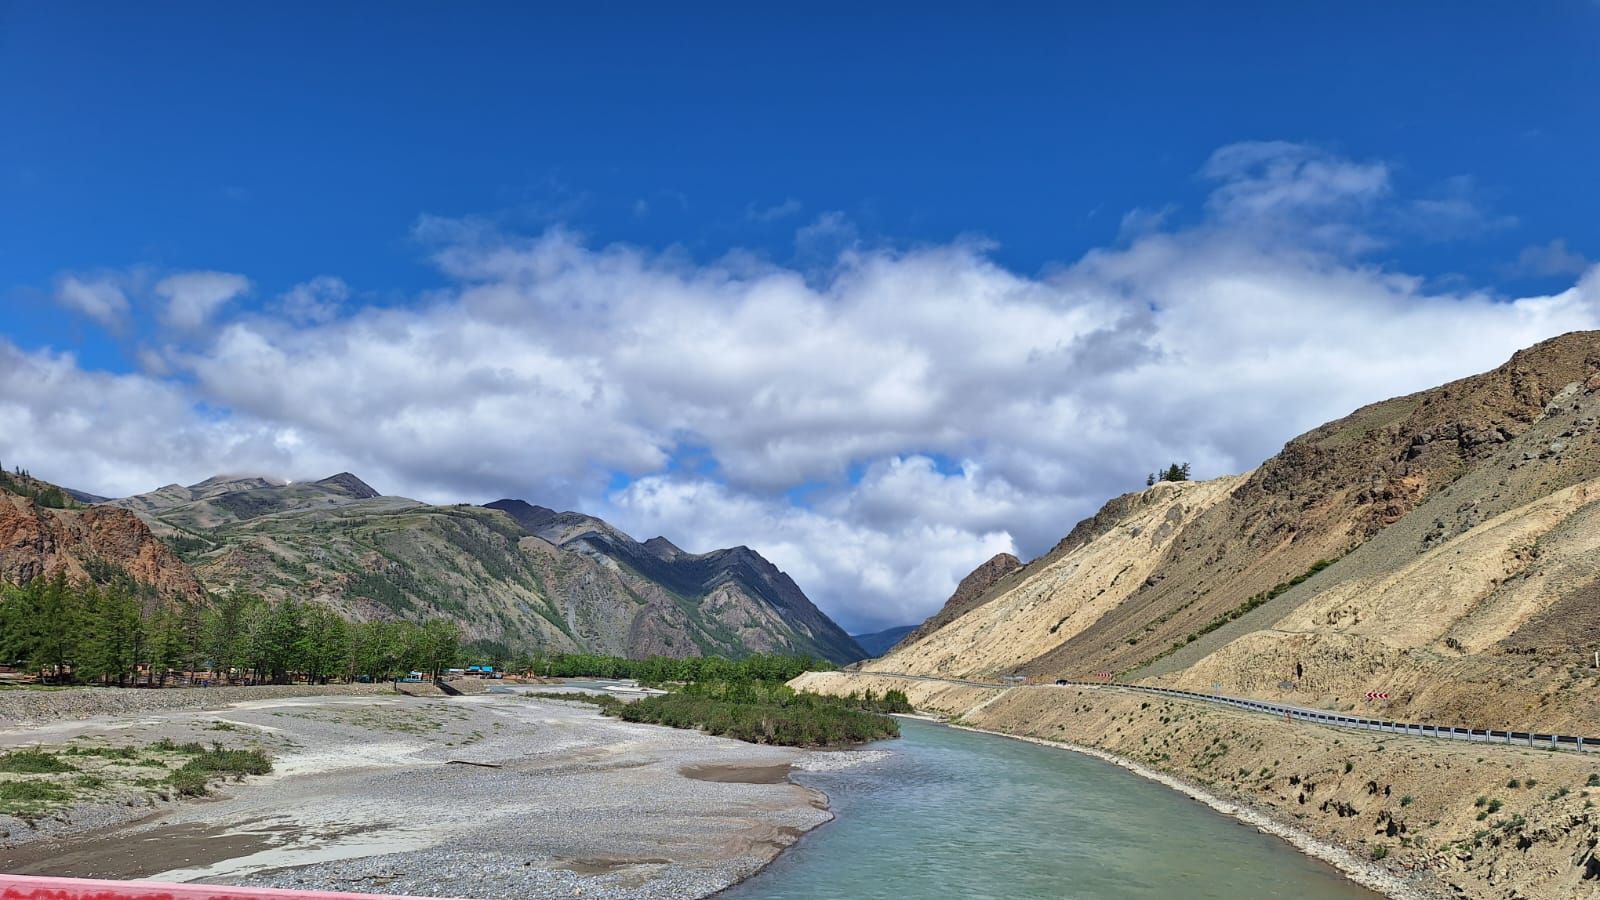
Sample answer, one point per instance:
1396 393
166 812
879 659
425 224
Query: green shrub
193 777
106 752
1513 784
231 762
604 701
34 762
1406 800
1494 806
766 713
187 782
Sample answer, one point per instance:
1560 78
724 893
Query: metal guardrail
1442 732
1579 743
34 887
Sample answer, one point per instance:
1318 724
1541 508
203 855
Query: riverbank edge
827 807
1346 863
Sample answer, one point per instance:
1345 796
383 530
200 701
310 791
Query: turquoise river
953 813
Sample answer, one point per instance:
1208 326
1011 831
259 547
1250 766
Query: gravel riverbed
24 706
488 796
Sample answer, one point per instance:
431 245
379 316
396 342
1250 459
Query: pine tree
226 635
114 634
324 645
167 649
55 629
440 645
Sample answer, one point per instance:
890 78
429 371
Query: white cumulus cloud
877 425
101 299
192 298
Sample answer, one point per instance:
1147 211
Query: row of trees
1174 472
116 633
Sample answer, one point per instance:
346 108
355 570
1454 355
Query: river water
956 814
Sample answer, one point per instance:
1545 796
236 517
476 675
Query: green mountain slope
576 585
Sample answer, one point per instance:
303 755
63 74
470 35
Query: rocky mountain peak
228 484
663 548
350 485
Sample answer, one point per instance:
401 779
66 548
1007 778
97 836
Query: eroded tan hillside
1472 595
1061 597
1330 491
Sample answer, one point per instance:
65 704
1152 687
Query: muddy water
953 813
115 854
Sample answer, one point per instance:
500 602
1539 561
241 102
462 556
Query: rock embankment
23 706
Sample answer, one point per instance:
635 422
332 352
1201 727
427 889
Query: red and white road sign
1377 695
27 887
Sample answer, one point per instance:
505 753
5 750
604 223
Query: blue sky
192 195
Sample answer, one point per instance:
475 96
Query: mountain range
516 577
877 642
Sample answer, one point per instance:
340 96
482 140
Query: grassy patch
25 797
194 777
34 762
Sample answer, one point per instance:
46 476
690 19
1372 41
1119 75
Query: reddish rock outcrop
38 541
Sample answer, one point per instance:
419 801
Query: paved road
1321 716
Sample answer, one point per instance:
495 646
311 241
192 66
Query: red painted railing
31 887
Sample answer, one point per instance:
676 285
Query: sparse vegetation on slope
1255 601
43 493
